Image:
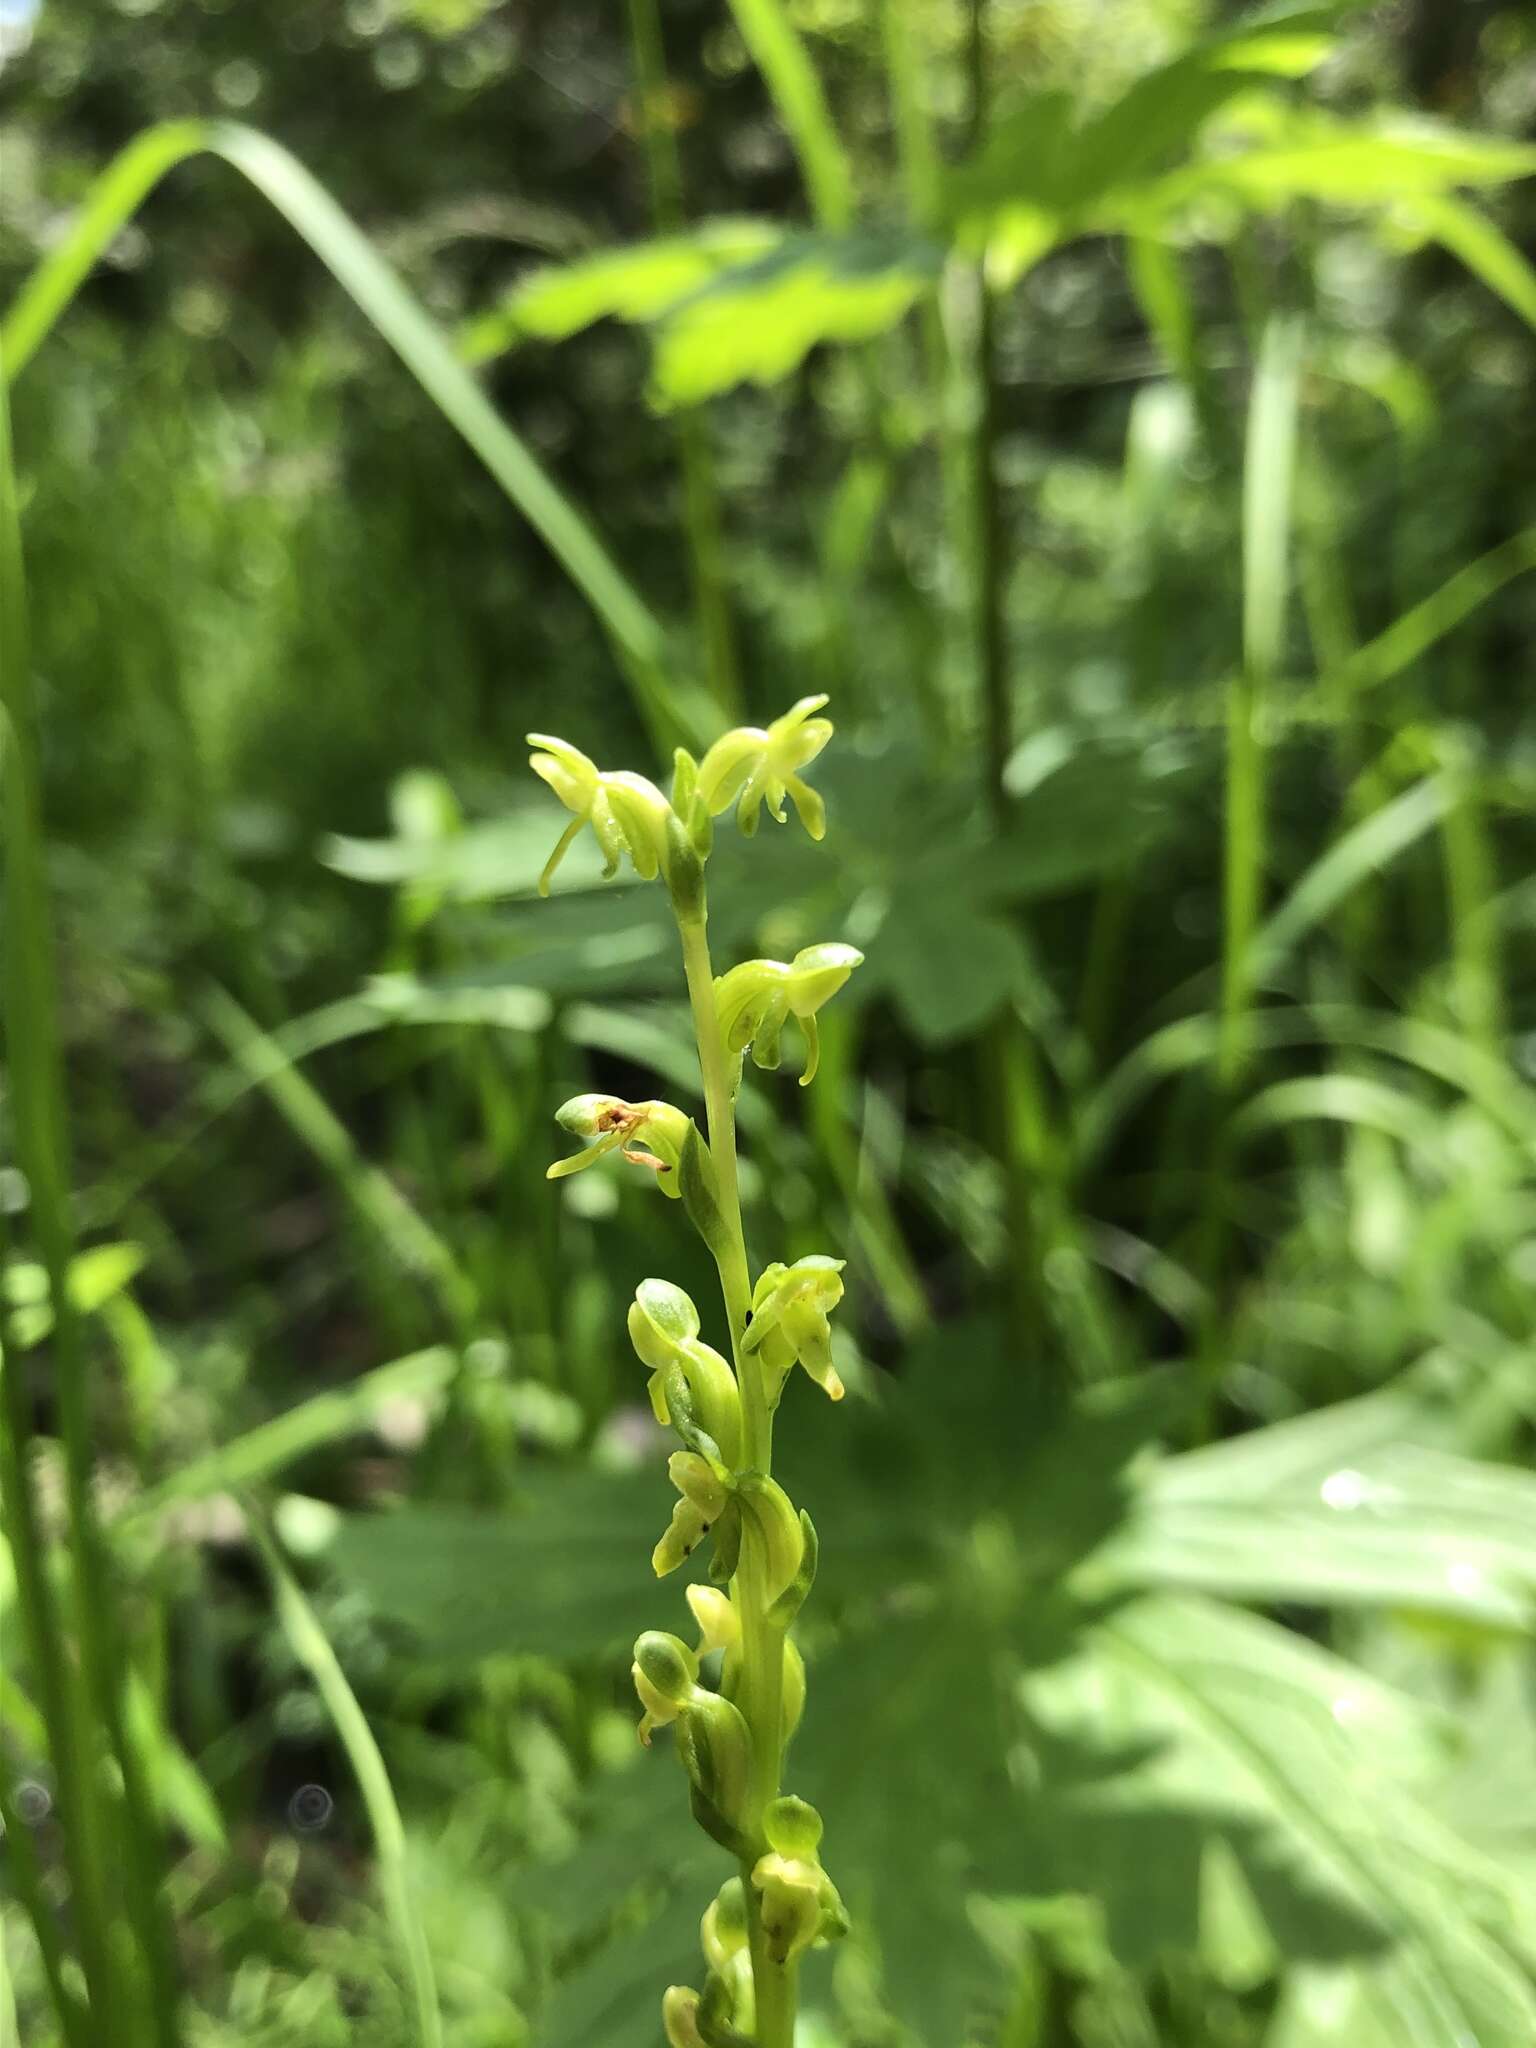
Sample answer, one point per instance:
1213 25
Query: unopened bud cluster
730 1733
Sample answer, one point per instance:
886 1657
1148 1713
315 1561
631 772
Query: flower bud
696 1480
716 1749
661 1317
723 1930
680 2017
769 1520
689 805
663 1327
682 867
793 1826
719 1623
751 767
666 1675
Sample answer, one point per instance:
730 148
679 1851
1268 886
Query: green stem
760 1691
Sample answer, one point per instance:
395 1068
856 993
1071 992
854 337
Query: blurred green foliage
1175 1684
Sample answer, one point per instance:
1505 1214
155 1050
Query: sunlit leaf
1341 1507
635 283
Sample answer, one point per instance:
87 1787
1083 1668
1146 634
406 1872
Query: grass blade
311 1646
1268 476
109 1842
1438 614
263 1452
410 331
369 1191
1363 851
701 495
791 78
1486 251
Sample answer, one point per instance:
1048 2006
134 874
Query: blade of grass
790 76
701 496
411 333
1363 851
312 1647
1418 629
1486 250
1268 473
105 1839
368 1190
271 1447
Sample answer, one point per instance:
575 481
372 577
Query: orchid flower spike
754 999
751 767
648 1134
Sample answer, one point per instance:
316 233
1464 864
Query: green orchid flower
648 1134
789 1326
628 814
751 767
754 1000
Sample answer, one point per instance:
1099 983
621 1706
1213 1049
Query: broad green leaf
1213 1725
758 322
567 1574
1342 1507
949 968
637 283
1041 170
1291 154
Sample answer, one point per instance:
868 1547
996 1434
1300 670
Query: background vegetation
1175 596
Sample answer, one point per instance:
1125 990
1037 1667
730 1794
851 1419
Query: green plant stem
761 1690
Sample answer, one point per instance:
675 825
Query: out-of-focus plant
731 1739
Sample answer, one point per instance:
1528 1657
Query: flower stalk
732 1738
